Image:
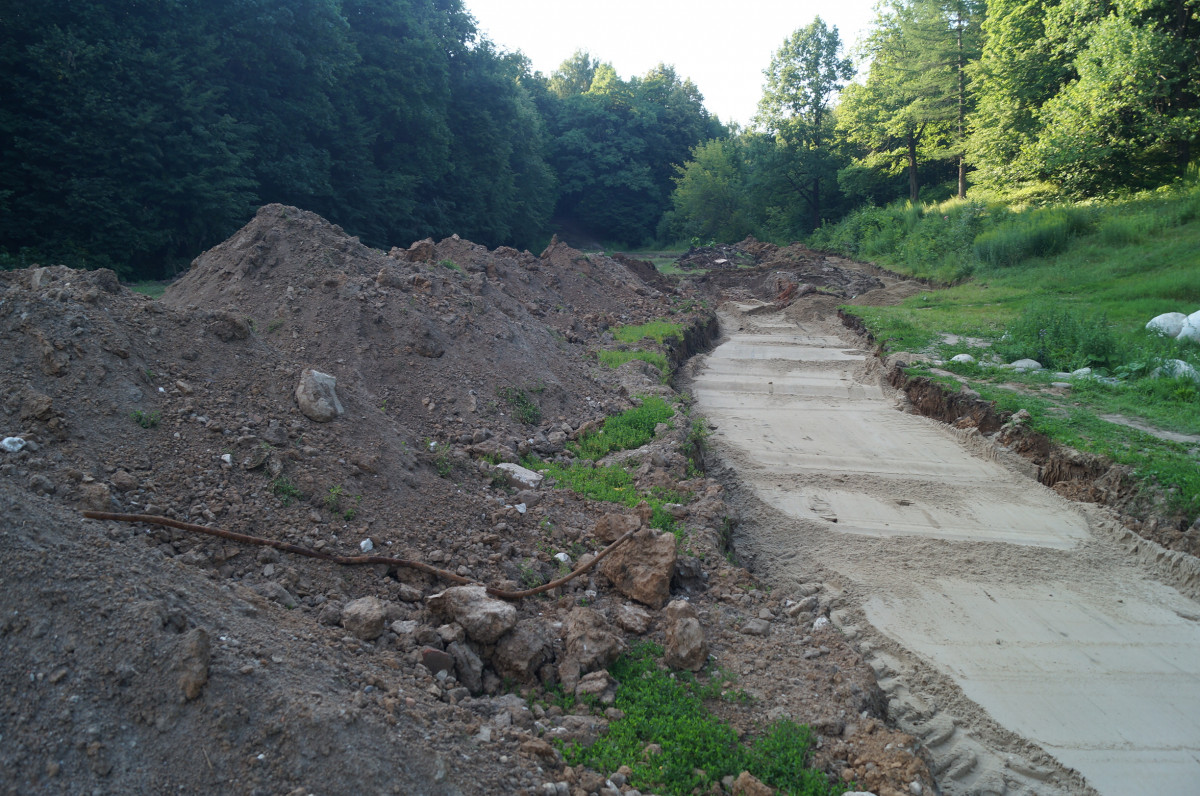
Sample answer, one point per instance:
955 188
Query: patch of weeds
333 498
530 576
629 429
274 325
285 490
658 331
146 419
453 266
615 359
522 406
698 749
613 484
351 512
696 443
1059 338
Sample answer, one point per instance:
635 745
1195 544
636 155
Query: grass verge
694 748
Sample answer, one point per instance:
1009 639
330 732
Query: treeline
1008 99
136 134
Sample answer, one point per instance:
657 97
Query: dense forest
134 135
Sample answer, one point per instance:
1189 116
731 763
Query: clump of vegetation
615 485
1039 233
523 407
697 748
146 419
615 359
287 492
630 429
658 331
1059 338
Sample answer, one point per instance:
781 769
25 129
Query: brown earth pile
145 659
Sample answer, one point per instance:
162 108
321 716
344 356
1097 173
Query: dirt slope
144 659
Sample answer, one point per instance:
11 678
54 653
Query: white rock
520 477
822 621
563 557
1081 373
1176 369
1190 331
316 395
1027 364
12 444
1169 323
521 508
962 358
366 545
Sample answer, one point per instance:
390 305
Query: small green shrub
285 490
523 407
146 419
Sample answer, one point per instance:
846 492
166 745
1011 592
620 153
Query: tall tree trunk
914 188
962 109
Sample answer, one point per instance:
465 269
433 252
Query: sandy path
1011 629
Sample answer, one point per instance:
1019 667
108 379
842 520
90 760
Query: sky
722 45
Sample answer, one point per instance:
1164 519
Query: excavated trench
1035 645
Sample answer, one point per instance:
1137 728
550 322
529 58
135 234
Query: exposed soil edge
1154 539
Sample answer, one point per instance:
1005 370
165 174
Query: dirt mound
153 660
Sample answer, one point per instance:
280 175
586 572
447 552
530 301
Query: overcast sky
722 46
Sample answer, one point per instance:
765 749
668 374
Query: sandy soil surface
1032 646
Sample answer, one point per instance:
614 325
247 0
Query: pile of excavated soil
147 659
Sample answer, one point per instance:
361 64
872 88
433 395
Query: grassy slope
1137 259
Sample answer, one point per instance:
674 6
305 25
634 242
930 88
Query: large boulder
365 618
641 569
316 395
1168 324
484 618
614 525
519 477
1190 329
685 647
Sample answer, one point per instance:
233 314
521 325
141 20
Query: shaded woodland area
135 135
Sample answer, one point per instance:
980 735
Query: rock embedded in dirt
591 642
522 651
642 567
365 618
316 395
632 618
520 477
685 645
747 784
614 525
598 684
484 618
194 657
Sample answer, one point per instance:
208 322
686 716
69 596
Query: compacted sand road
1014 632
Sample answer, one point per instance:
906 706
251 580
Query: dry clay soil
143 659
1032 643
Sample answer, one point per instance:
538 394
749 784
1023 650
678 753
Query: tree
803 77
711 198
913 106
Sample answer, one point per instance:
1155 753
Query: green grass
613 484
615 359
146 419
523 407
698 749
1123 263
658 331
149 288
630 429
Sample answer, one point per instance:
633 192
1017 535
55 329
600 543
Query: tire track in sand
1012 631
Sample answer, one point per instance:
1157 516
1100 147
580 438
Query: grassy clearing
1116 267
697 749
147 288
